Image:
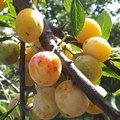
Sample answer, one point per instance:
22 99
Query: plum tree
45 68
29 25
90 29
90 67
44 104
55 95
70 99
9 51
97 47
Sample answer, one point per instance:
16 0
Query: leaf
2 109
113 101
77 17
67 5
4 103
43 1
5 115
6 17
4 24
11 9
4 38
117 93
108 72
105 22
117 64
116 59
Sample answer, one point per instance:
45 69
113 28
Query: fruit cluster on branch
84 84
49 43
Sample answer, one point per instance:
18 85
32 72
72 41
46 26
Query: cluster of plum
44 68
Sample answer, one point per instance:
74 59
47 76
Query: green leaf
43 1
77 17
117 64
116 59
5 115
11 9
6 17
4 38
117 93
4 24
2 109
105 22
108 72
7 21
67 5
4 103
113 101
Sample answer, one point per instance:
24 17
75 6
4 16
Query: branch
60 34
22 80
21 4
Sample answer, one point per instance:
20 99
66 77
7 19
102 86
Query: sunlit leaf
67 5
43 1
4 103
117 93
117 64
11 9
108 72
105 23
6 17
2 109
77 17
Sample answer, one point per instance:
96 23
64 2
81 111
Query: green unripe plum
9 52
90 67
